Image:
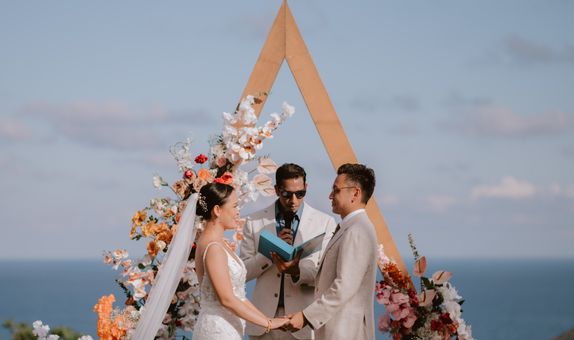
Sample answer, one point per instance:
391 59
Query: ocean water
505 299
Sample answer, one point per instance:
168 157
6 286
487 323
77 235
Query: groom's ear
358 194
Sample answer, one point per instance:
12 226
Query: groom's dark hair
288 171
361 175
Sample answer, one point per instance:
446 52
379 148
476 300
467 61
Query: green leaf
427 283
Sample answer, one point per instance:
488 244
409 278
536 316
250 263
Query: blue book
269 242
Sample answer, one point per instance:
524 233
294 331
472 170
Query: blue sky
465 110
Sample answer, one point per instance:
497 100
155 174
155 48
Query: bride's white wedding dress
215 322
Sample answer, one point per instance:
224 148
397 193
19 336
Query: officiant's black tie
337 229
281 302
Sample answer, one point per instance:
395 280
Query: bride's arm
249 305
216 268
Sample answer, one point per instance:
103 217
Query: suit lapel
307 221
332 241
268 221
337 236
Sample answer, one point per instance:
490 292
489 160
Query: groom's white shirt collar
350 215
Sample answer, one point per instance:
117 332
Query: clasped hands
291 322
295 321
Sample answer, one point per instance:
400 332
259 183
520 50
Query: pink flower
221 161
400 298
420 267
385 323
441 277
410 318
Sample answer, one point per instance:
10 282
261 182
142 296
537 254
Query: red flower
226 178
436 325
201 159
188 173
445 318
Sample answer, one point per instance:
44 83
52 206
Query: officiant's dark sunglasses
288 194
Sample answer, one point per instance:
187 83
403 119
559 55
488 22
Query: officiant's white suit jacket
297 295
345 284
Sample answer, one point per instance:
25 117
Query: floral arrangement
433 314
157 223
43 332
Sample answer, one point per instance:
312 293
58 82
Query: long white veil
169 275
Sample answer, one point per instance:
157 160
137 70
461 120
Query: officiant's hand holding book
269 242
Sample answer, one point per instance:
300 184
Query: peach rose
204 174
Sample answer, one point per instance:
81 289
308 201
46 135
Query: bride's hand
279 322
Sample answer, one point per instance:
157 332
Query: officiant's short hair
288 171
361 175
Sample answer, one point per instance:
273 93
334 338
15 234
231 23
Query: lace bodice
215 321
237 273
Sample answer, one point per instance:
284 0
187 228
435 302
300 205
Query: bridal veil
169 275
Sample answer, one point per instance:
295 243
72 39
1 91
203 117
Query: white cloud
439 203
508 187
521 50
492 120
13 130
373 102
84 113
569 192
111 124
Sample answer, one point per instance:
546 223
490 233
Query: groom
345 283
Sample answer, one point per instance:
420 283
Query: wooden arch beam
284 41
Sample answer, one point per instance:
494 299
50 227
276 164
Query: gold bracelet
268 326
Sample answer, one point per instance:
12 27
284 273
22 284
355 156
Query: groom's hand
289 267
296 322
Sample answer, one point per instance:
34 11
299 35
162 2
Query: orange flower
106 329
392 272
226 178
205 175
163 233
149 228
139 217
181 188
117 330
152 248
137 220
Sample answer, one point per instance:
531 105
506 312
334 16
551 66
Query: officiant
283 287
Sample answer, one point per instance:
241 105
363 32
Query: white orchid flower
288 109
158 182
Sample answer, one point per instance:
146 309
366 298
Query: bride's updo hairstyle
210 195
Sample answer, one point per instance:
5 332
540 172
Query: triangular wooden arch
285 42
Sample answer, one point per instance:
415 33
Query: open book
269 242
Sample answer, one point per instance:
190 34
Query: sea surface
505 298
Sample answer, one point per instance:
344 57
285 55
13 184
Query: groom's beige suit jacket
297 295
345 284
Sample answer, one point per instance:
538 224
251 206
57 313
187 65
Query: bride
220 271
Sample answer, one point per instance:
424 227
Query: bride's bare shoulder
203 245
